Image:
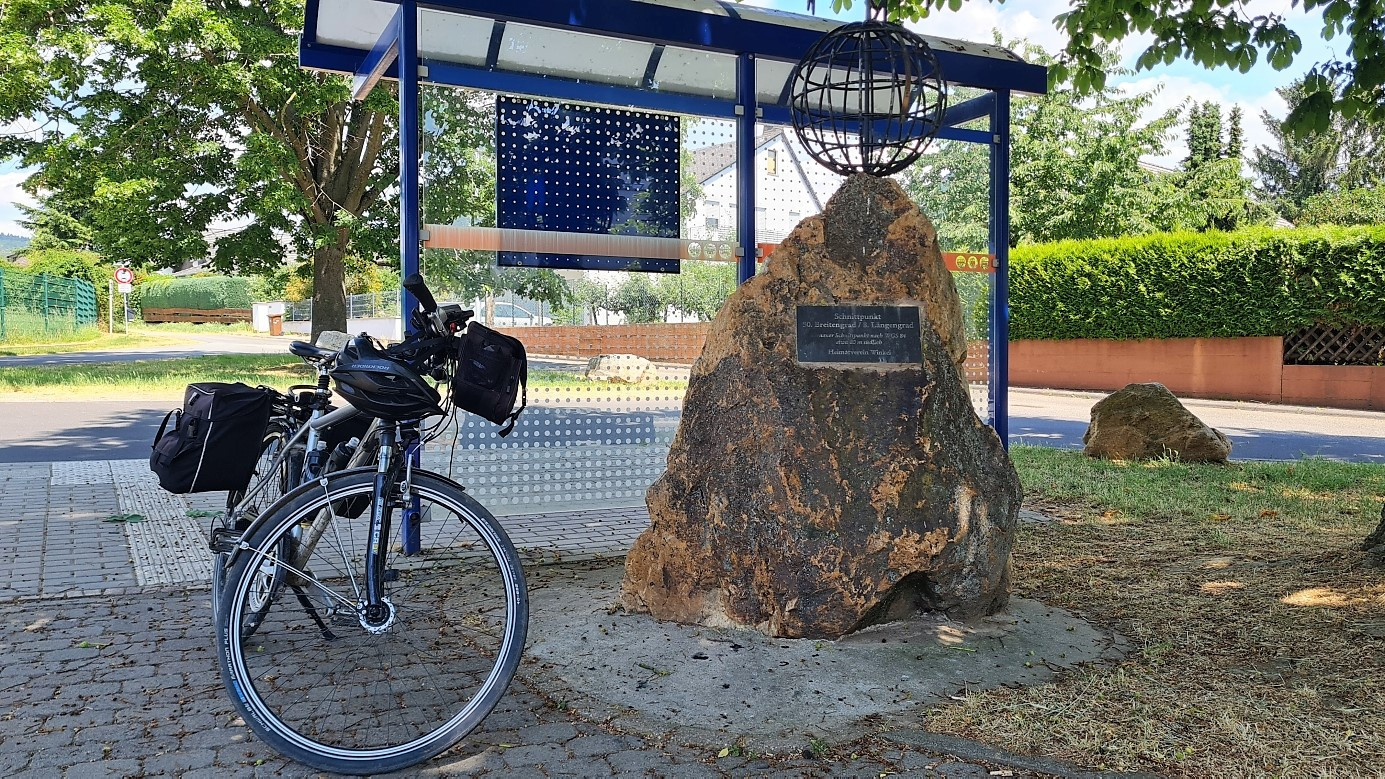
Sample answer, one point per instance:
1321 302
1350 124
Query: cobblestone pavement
125 684
108 668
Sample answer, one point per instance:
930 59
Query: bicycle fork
377 613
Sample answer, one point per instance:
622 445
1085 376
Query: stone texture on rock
1146 421
619 368
815 500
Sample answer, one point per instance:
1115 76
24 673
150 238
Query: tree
1074 165
1344 207
52 227
1215 33
638 300
1351 155
1235 141
161 117
1216 195
1204 135
700 288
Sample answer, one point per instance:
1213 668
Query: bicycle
292 452
409 609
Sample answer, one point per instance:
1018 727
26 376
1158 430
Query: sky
1032 20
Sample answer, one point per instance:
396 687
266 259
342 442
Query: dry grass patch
1259 637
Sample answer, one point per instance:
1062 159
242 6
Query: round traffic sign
124 276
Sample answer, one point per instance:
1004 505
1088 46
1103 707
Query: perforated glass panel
578 169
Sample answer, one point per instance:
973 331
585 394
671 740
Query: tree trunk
329 288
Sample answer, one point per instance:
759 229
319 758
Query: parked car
511 315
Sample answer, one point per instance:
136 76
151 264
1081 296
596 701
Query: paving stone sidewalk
108 666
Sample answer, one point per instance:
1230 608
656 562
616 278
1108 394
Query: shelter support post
999 406
745 166
410 216
410 223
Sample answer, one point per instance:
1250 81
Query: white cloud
10 193
1032 21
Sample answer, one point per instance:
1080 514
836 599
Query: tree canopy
1296 169
1075 171
160 118
1215 33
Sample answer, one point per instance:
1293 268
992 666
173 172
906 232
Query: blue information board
582 169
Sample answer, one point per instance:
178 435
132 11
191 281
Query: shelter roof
681 47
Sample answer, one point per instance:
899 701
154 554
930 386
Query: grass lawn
1258 637
88 341
208 328
165 379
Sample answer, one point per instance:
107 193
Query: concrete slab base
719 686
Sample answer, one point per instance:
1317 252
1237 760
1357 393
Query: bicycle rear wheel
320 686
272 479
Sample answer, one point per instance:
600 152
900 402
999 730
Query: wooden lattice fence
1322 345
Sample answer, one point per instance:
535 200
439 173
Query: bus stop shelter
705 58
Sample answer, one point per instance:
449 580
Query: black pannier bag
214 440
492 371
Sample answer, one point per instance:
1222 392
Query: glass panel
696 73
569 54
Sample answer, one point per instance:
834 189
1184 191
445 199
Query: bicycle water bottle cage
371 381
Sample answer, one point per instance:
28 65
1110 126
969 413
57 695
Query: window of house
713 222
773 162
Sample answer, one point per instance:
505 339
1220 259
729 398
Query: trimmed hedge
207 293
1251 282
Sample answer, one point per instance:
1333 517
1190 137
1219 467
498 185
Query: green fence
38 304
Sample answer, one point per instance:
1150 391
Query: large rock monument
829 471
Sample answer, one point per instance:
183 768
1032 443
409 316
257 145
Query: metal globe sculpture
867 98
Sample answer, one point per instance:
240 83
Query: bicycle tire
276 435
363 702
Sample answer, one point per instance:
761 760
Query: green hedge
1185 285
200 293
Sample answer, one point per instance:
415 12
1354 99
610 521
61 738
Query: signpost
125 279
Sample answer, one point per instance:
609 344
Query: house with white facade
789 186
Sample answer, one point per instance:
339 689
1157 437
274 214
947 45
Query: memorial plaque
868 334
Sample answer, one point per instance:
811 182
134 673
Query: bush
207 293
1252 282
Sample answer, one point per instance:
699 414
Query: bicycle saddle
309 352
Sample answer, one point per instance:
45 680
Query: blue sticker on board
581 169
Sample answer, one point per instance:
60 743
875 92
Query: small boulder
1374 545
1146 421
619 368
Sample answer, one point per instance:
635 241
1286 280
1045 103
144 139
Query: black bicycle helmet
371 381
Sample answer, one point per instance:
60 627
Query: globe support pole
745 166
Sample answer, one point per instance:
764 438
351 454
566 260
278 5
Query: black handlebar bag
492 372
215 438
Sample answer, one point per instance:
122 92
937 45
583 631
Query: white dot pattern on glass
585 445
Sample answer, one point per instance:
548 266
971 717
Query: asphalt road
41 431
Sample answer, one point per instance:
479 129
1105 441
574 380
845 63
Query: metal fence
40 304
368 305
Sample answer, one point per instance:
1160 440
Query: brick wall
1221 368
675 343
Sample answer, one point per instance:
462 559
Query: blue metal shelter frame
752 36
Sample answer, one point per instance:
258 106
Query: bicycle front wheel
327 687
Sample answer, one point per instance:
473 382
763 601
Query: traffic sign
124 277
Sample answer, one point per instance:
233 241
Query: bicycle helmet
371 381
